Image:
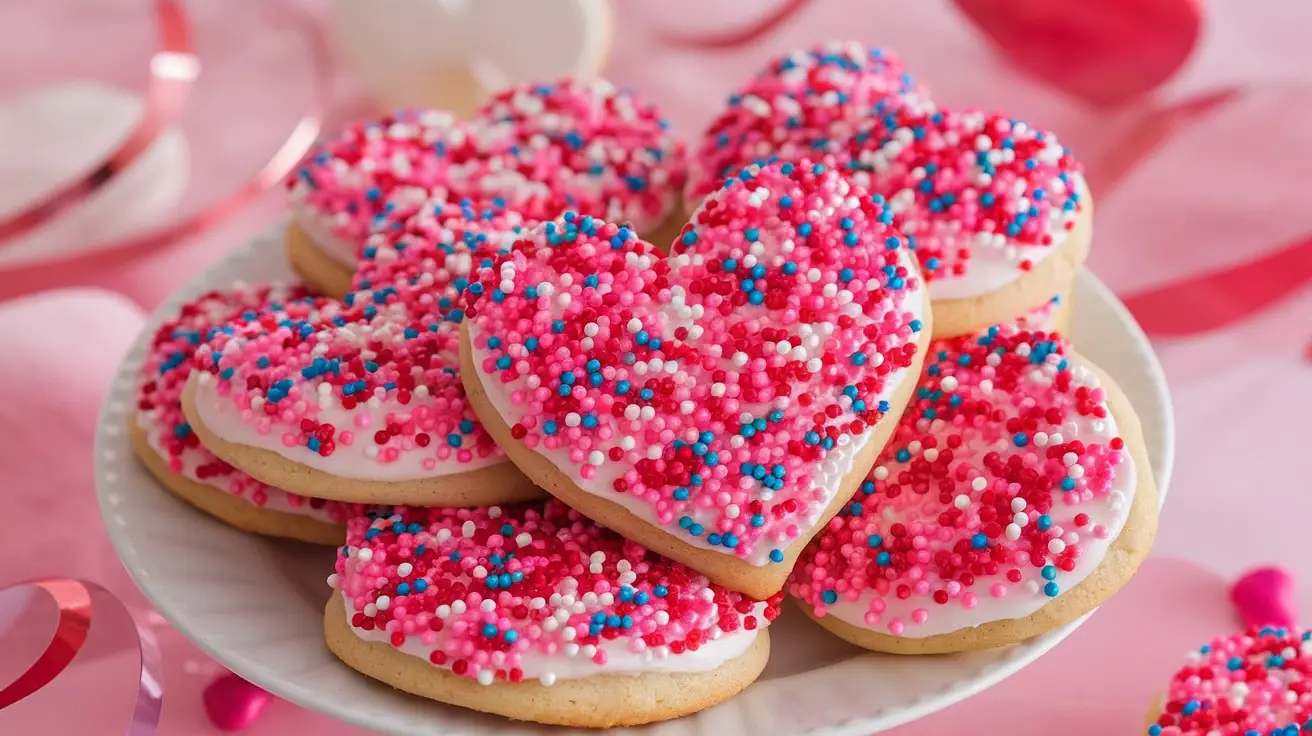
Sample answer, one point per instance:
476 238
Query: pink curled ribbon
174 68
80 606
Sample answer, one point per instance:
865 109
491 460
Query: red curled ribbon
174 68
79 602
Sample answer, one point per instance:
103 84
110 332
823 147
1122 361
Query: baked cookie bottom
319 271
471 488
232 510
597 701
1118 566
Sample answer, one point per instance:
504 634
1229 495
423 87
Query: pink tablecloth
1228 188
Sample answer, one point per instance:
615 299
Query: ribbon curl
174 68
81 605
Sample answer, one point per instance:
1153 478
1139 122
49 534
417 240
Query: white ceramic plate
256 605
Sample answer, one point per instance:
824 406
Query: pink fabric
1181 196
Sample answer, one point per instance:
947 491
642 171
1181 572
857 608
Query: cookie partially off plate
257 605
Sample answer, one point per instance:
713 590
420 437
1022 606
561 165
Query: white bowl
256 605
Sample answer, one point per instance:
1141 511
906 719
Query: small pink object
1265 596
233 703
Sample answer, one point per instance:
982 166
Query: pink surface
1180 196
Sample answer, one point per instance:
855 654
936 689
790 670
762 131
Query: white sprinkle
364 555
404 569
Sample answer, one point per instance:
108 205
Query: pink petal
233 703
1265 597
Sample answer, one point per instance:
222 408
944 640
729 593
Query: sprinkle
1255 682
177 348
667 427
987 529
543 610
382 373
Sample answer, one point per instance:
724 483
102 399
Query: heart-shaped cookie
534 612
1014 497
716 405
998 211
168 447
360 400
539 149
806 103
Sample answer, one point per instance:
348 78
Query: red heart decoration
233 704
1105 53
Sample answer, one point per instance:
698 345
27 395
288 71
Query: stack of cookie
576 448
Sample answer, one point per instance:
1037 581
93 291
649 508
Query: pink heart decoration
1265 596
1105 53
233 703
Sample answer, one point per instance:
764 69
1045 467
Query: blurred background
179 118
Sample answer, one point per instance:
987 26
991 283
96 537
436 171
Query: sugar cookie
998 210
537 149
806 103
716 405
360 400
1015 497
533 612
172 452
1258 682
